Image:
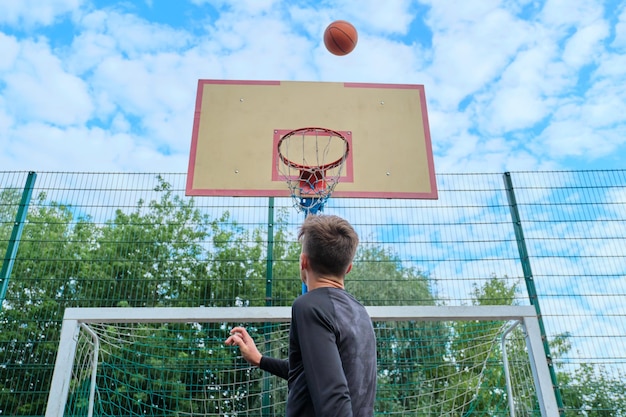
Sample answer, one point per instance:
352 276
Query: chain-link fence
556 240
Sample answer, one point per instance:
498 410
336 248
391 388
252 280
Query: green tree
153 256
588 390
593 391
9 201
31 312
165 252
235 265
379 278
406 350
286 284
475 352
239 262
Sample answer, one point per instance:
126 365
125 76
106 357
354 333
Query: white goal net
432 361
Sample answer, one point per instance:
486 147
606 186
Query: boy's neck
322 282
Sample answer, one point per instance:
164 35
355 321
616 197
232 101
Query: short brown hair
330 243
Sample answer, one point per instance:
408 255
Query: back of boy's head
329 242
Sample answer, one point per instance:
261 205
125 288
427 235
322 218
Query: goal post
432 360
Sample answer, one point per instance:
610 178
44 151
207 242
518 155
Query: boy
331 370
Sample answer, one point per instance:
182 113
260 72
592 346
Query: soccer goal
432 361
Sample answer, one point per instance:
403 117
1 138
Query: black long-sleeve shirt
331 369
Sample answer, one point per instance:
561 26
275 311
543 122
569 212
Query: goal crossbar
74 318
280 314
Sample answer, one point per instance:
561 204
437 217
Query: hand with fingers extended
240 337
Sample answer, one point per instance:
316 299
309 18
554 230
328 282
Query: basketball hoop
310 162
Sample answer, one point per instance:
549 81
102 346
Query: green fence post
267 407
530 283
270 253
16 234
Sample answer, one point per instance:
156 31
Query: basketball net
310 161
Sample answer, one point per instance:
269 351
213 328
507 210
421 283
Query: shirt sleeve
325 378
278 367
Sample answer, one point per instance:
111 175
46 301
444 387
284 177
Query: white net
311 162
164 369
425 368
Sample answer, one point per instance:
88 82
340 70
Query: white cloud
392 16
39 88
264 47
502 89
603 109
565 14
375 60
521 97
571 137
132 36
583 47
533 85
240 7
446 127
471 46
616 204
10 49
34 12
620 31
43 147
513 107
6 121
593 124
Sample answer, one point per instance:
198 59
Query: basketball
340 37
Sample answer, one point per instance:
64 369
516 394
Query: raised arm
240 337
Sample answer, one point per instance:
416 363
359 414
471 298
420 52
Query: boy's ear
349 268
304 261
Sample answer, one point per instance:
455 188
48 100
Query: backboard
237 125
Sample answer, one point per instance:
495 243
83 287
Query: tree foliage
166 252
379 278
593 391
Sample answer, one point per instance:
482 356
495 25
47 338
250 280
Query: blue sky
95 85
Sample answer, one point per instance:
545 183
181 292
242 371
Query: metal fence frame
543 229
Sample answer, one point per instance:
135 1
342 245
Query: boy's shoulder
313 298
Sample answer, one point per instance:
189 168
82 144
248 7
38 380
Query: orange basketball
340 37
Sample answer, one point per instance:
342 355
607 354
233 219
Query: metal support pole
313 206
269 273
16 234
267 408
530 283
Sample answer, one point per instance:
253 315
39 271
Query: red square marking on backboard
347 173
